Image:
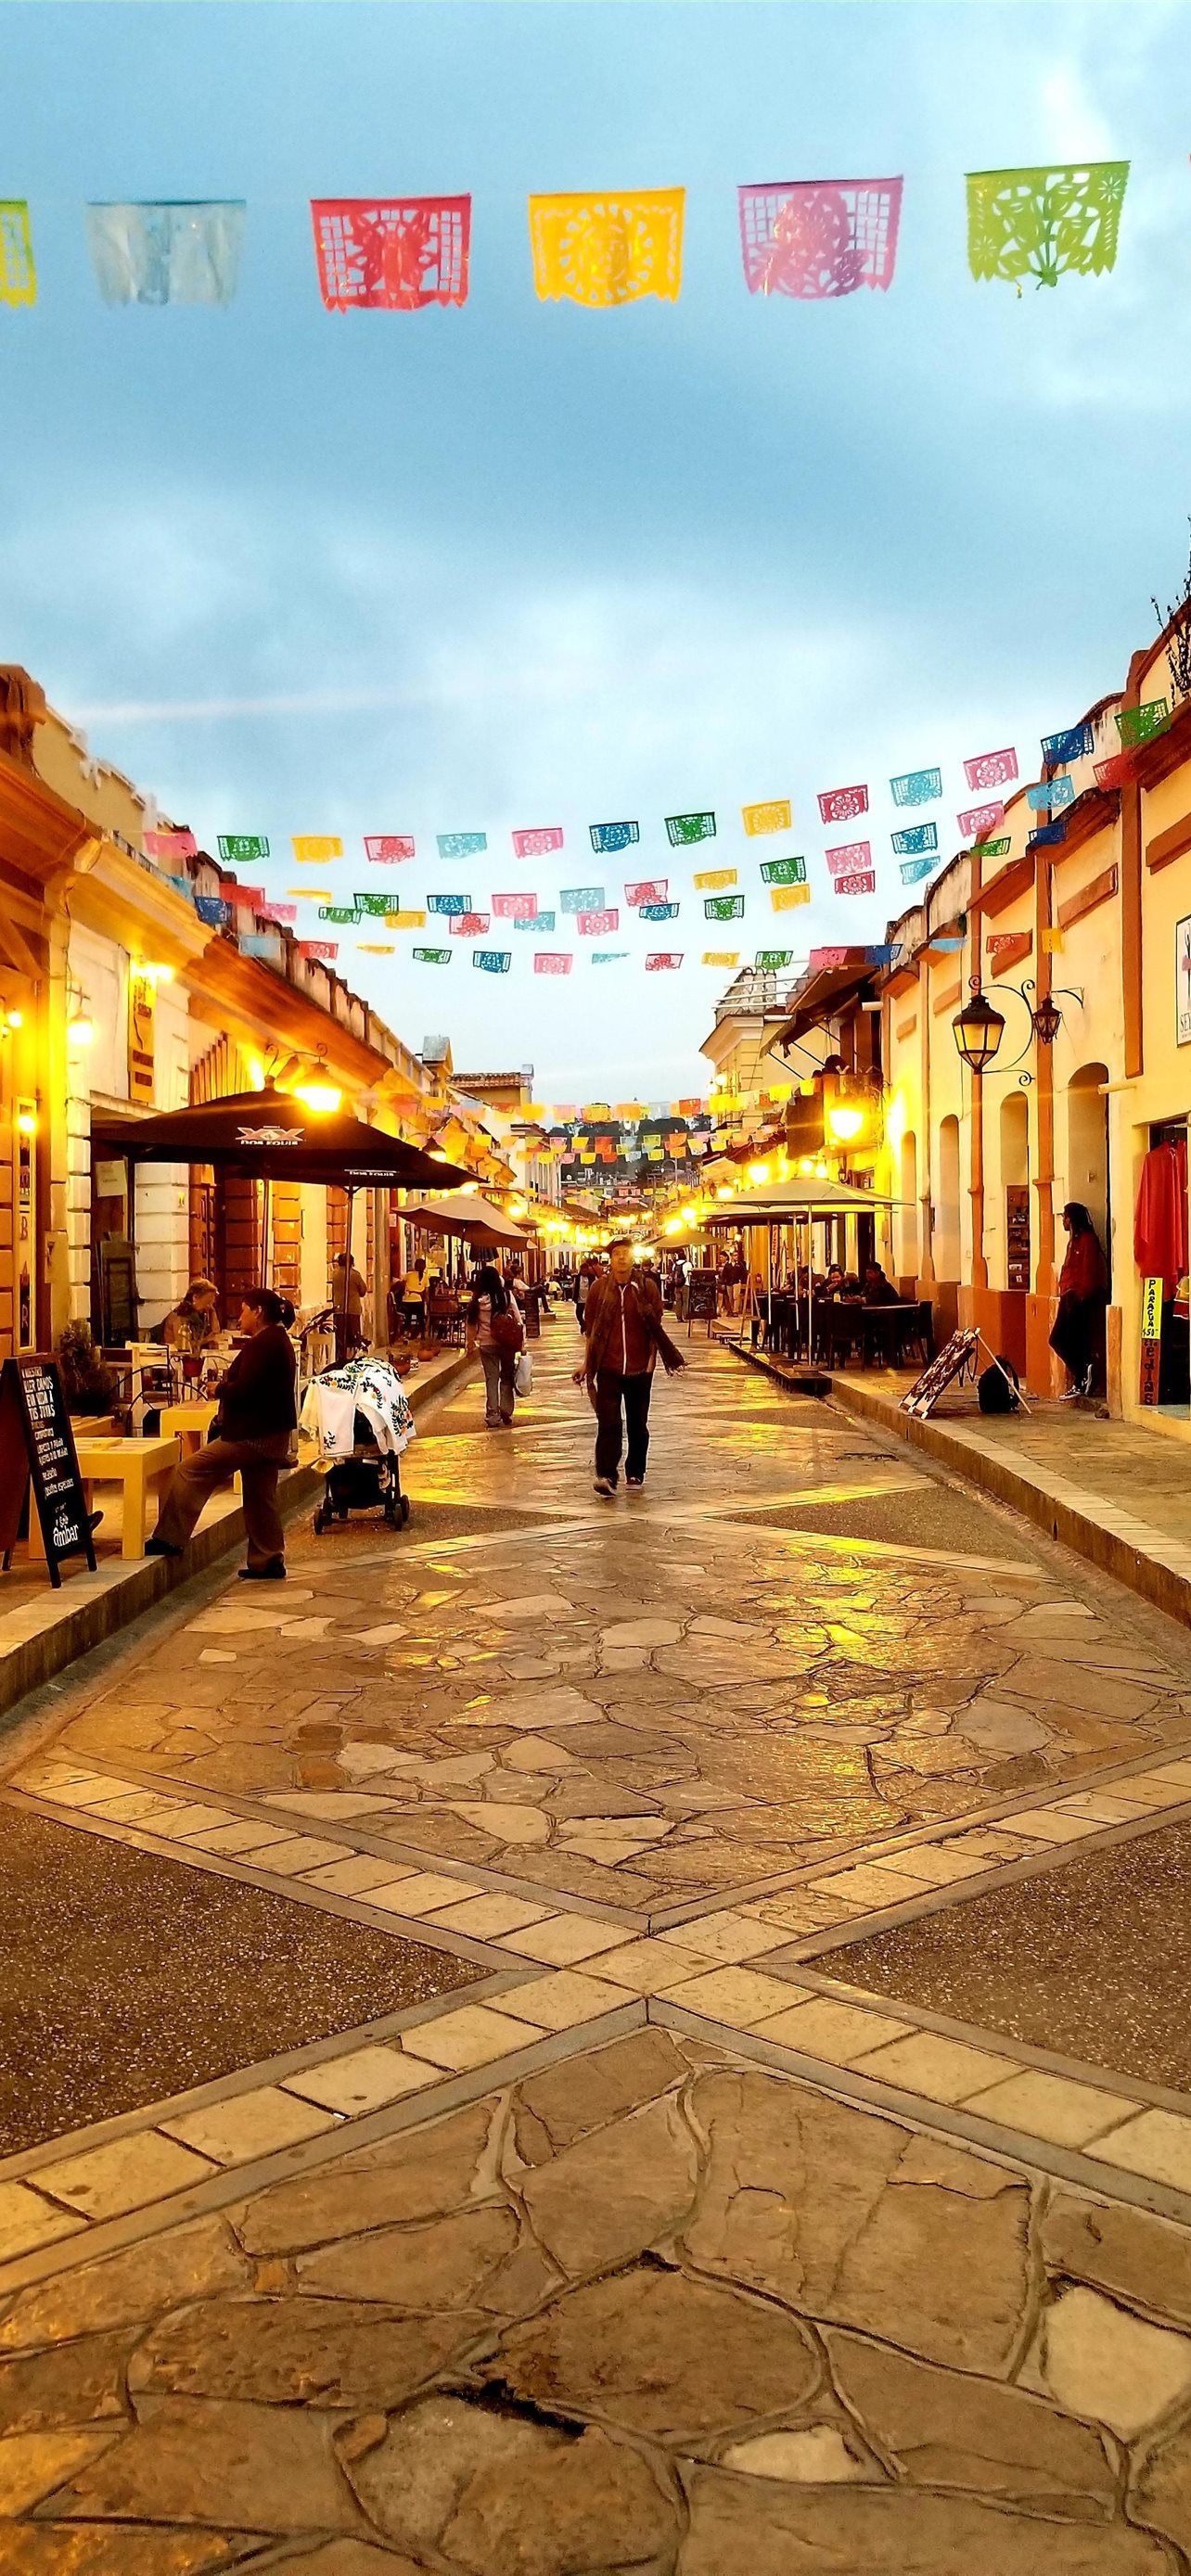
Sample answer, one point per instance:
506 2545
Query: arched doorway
1087 1147
947 1253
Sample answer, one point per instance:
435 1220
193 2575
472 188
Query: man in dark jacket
252 1434
625 1334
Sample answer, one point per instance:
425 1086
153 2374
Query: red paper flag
386 848
843 804
848 857
991 769
468 925
538 843
980 818
545 963
318 948
662 961
391 253
515 907
593 925
648 890
171 845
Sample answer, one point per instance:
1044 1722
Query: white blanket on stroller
368 1386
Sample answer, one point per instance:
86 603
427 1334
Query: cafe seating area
846 1332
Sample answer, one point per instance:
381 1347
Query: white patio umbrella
787 1203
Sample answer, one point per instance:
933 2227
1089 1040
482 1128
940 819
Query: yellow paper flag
775 817
313 894
787 898
721 957
311 848
630 1109
601 250
376 947
18 276
405 921
709 877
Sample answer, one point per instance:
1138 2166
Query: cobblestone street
557 2189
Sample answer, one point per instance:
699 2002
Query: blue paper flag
613 836
1045 836
461 845
582 899
452 903
164 253
913 870
911 843
658 912
608 956
533 921
492 961
259 943
1049 794
212 909
917 787
1078 743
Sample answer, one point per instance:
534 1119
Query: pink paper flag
385 848
662 961
468 925
980 818
991 769
545 963
279 911
593 925
171 845
848 856
515 907
866 883
998 939
819 237
843 804
538 844
318 948
647 890
253 896
827 957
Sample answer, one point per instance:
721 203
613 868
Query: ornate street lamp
979 1030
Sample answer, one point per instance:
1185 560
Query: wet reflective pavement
669 2245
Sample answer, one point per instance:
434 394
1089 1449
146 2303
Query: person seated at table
252 1434
413 1299
878 1290
193 1324
834 1283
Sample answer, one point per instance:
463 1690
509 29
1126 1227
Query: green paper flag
1043 223
783 872
432 956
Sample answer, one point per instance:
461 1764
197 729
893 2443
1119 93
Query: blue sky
523 563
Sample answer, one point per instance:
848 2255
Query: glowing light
820 1171
14 1019
845 1122
518 1207
673 1225
81 1029
157 973
256 1073
26 1122
323 1098
895 1122
726 1190
689 1215
758 1172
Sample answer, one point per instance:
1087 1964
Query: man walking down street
624 1335
252 1433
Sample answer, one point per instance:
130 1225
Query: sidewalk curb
1161 1574
89 1620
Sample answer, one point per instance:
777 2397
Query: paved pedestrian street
731 2200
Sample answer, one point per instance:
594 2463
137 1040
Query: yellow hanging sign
18 276
405 921
788 898
312 848
774 817
708 878
600 250
721 957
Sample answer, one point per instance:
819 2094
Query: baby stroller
362 1422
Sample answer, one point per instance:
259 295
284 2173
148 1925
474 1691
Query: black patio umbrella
273 1136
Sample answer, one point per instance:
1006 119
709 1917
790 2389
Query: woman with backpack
496 1330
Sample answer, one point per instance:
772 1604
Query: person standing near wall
1077 1334
252 1435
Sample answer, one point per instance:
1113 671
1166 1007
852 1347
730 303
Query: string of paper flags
808 239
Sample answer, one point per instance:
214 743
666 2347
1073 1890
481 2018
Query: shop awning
465 1214
782 1201
273 1136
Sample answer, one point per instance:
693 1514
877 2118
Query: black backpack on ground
997 1387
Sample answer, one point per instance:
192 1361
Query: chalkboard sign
702 1299
957 1361
38 1458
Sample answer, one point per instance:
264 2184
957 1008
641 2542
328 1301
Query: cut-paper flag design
991 768
774 817
783 871
461 845
1076 744
448 903
722 907
998 849
843 804
828 957
164 253
1042 223
377 904
721 957
848 856
608 249
171 845
658 911
978 819
538 843
313 894
469 925
515 907
772 961
280 911
539 921
706 880
1046 834
432 956
663 962
320 951
787 898
249 896
1049 794
401 920
492 961
613 836
864 882
596 925
918 837
819 237
581 899
917 787
386 848
912 870
1139 724
552 962
340 912
395 254
18 276
375 947
313 849
648 890
213 911
240 849
682 829
1114 772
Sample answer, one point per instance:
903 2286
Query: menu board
702 1299
38 1458
957 1361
